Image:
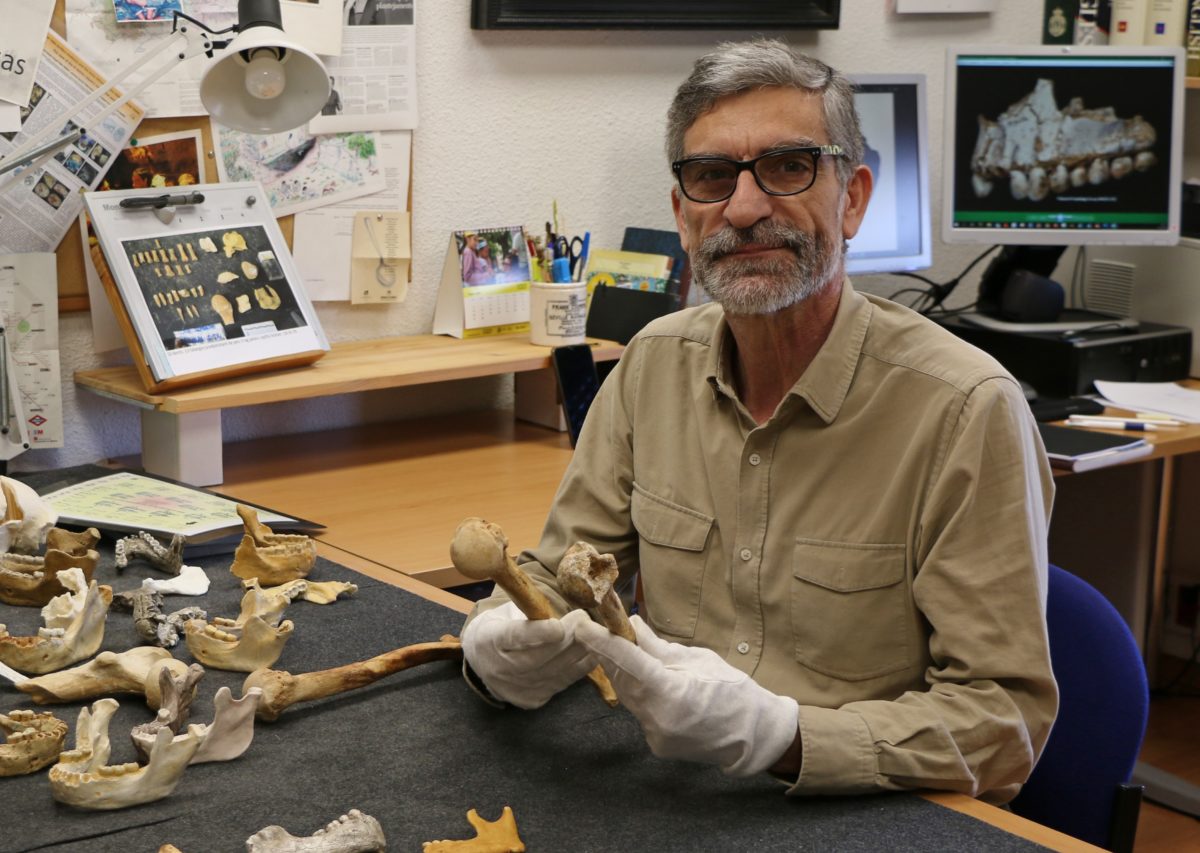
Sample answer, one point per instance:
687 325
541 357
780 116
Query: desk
181 430
1115 527
418 749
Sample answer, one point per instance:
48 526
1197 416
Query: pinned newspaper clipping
25 25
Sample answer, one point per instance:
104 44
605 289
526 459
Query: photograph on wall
142 11
212 290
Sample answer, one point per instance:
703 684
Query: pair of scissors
570 248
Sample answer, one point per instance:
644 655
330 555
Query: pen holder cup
557 313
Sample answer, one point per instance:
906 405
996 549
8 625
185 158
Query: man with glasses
836 511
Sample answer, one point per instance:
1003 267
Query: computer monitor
895 235
1062 145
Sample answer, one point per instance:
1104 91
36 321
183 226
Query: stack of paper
1168 398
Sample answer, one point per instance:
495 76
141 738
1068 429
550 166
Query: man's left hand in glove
691 704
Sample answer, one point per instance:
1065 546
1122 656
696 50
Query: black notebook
1079 449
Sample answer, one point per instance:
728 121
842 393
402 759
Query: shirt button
755 459
743 647
745 554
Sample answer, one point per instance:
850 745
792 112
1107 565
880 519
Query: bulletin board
72 279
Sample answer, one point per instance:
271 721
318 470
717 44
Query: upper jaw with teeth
1044 150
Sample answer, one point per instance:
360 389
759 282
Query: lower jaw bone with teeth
226 738
84 779
351 833
134 671
34 741
244 648
273 558
1043 150
143 546
499 836
27 581
74 629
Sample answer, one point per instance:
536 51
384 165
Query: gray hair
736 67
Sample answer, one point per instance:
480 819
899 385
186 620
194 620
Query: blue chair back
1103 706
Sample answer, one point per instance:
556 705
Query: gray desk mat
417 749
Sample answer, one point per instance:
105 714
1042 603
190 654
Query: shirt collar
827 380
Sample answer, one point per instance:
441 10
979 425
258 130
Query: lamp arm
182 44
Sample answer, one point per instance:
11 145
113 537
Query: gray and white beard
764 285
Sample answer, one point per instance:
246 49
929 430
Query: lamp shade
226 94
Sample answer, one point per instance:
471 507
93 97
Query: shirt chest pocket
672 554
851 609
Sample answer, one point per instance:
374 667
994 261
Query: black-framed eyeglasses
785 172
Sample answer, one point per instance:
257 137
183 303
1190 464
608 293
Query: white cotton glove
521 662
691 704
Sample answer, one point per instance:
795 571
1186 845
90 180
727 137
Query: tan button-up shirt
876 550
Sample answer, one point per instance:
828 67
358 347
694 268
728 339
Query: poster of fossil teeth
243 272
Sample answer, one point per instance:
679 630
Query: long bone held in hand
479 551
586 578
282 689
354 832
134 671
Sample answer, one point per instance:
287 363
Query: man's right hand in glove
525 662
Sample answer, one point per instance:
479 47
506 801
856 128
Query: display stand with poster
202 283
485 283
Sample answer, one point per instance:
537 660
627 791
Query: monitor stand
1070 320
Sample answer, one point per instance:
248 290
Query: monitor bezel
1004 236
923 257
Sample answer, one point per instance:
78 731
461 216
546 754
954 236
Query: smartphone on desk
578 382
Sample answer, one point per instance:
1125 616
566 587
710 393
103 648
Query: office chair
1080 785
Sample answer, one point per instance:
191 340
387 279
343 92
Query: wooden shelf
1193 82
349 367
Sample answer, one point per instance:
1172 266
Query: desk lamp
264 83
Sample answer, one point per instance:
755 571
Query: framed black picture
655 14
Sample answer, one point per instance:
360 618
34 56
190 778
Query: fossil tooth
82 777
1039 184
233 242
133 671
1060 179
1098 171
33 741
74 628
249 270
206 244
244 648
226 277
353 832
27 518
273 558
1144 160
1120 166
1018 184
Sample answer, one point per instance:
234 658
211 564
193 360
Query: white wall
511 121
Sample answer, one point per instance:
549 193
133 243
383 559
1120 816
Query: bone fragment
134 671
243 303
479 551
238 648
282 689
586 578
226 738
273 558
314 592
27 518
73 631
178 693
191 580
498 836
84 779
70 542
226 277
249 270
267 298
143 546
233 242
354 832
207 244
32 741
223 308
149 621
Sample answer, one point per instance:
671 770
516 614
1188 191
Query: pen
583 254
1136 419
1112 423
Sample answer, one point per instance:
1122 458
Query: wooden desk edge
1010 822
398 579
